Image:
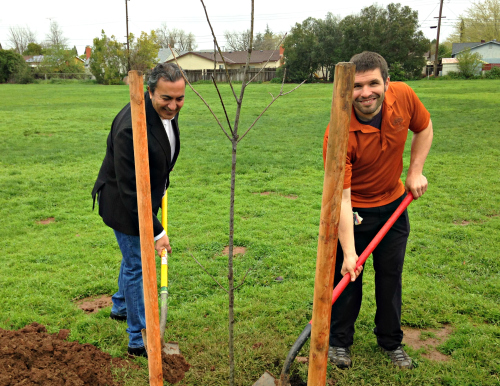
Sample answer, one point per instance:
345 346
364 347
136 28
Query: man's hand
163 243
416 184
349 266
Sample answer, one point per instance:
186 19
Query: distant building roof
456 48
163 54
33 59
240 57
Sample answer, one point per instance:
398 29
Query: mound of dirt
174 367
31 356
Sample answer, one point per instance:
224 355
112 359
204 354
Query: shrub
276 80
397 72
13 68
494 73
469 63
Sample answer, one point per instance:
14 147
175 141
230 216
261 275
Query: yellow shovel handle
164 210
164 269
164 255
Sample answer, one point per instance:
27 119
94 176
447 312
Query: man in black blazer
116 194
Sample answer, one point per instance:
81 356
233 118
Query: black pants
388 259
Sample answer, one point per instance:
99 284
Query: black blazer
116 187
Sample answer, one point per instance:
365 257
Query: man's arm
421 143
346 237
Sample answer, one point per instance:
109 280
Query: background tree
393 32
317 45
300 43
480 22
237 41
13 68
176 38
60 60
444 50
20 37
34 49
469 63
108 62
144 51
55 36
327 51
267 40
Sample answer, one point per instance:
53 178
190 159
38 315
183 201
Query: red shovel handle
301 340
369 249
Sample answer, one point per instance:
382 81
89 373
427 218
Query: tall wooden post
340 119
140 138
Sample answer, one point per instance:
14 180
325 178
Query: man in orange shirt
382 114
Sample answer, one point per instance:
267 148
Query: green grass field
53 142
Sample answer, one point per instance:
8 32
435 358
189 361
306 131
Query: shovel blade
171 348
167 347
267 379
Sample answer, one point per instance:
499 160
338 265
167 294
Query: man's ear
386 85
150 93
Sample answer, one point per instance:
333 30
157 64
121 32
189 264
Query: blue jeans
129 300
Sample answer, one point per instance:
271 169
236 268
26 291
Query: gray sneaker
399 358
340 356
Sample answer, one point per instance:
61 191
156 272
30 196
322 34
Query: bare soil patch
267 193
427 339
46 221
92 304
236 250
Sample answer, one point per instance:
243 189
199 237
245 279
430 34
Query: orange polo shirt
375 157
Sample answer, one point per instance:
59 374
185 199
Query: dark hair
166 71
367 61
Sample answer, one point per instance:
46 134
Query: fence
489 66
62 75
235 74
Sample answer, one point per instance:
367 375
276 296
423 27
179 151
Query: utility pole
128 47
437 40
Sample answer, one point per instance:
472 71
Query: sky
82 22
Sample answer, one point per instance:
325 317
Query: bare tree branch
213 278
220 52
20 37
197 93
223 106
243 280
55 36
245 76
270 56
269 105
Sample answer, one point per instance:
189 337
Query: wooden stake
340 119
140 138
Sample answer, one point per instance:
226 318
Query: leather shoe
137 351
120 318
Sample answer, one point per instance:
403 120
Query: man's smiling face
369 92
168 97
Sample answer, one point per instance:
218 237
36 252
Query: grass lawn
53 142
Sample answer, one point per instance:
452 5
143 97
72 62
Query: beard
372 108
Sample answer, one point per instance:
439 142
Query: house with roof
489 51
449 65
33 60
166 54
204 60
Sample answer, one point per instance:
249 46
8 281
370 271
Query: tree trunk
230 265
